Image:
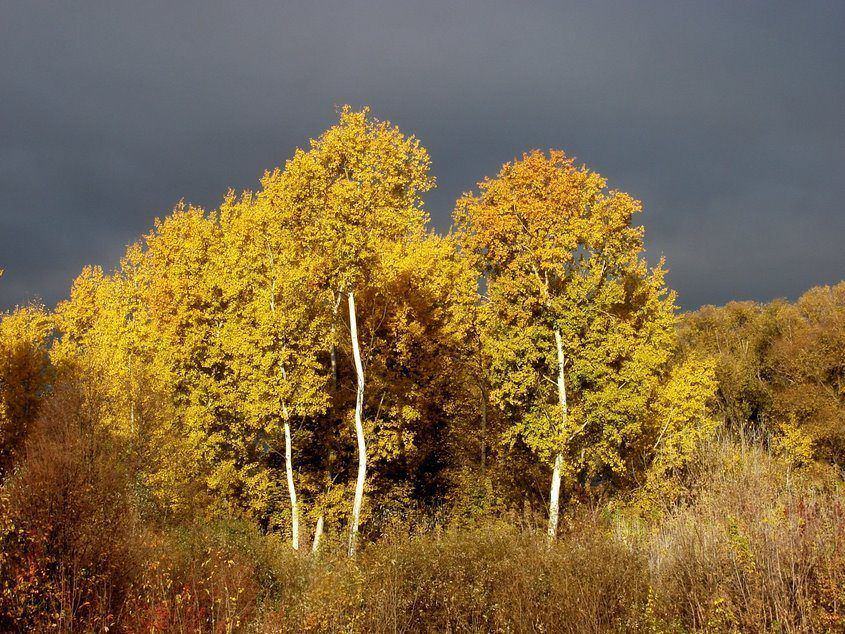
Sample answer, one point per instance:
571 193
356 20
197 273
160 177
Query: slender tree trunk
359 427
554 497
294 507
318 534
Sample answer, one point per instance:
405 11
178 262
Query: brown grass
756 546
488 578
760 549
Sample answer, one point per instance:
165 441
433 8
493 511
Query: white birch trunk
359 427
554 497
294 507
318 534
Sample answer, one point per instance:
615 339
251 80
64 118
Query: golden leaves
559 253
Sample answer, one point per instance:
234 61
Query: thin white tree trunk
554 497
318 534
359 427
294 507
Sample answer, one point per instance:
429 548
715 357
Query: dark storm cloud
724 118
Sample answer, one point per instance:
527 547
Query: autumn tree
739 336
779 370
275 336
197 340
176 268
808 375
356 189
106 337
580 331
24 375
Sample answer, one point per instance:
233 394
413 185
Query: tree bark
359 427
294 507
318 534
554 497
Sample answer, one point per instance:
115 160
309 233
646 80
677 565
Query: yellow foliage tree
579 331
274 335
357 189
779 370
24 375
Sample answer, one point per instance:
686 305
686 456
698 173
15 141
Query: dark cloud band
724 118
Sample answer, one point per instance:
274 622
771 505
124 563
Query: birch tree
105 334
358 187
578 329
273 334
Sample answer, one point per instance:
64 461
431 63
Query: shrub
212 578
68 559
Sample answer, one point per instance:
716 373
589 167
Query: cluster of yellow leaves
357 189
683 414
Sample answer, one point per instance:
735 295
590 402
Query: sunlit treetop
542 211
359 184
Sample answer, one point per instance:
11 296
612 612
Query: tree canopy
232 347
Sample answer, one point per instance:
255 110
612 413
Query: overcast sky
726 119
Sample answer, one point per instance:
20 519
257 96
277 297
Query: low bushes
487 578
756 545
68 553
760 548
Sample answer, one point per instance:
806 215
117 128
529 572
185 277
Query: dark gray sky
726 119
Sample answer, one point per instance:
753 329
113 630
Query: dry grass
757 546
488 578
760 549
